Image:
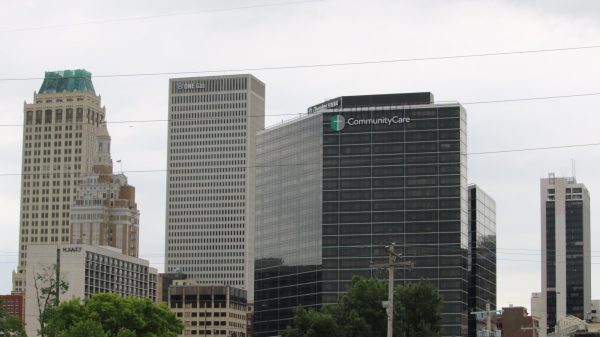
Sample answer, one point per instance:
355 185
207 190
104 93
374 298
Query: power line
533 149
156 16
312 164
406 107
328 65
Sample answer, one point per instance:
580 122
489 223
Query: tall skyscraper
355 174
213 123
566 254
60 127
104 212
482 256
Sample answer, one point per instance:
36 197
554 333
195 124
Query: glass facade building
355 174
482 255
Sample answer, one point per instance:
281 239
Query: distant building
566 252
59 137
104 211
14 304
515 322
536 305
209 310
211 163
482 256
88 270
594 316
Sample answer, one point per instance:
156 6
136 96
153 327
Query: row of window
215 138
239 84
208 191
188 120
68 98
213 176
56 116
214 248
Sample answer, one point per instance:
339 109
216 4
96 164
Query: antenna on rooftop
573 167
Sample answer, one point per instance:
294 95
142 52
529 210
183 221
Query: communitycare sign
338 122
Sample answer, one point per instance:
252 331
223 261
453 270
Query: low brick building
14 304
516 322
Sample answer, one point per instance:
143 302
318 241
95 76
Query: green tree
45 284
361 310
116 316
85 328
417 312
313 323
417 308
10 326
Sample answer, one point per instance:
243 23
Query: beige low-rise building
209 310
88 270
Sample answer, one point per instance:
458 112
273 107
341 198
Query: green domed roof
78 80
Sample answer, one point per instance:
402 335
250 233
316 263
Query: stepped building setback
104 212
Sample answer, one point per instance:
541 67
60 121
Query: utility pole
57 285
487 316
391 265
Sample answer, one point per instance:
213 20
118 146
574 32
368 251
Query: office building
355 174
213 123
59 136
482 256
88 270
209 310
566 274
104 212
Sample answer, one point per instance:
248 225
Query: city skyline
447 29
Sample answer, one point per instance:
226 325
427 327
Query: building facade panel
288 212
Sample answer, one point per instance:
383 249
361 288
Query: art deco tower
60 127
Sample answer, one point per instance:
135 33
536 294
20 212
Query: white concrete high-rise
209 227
566 254
59 136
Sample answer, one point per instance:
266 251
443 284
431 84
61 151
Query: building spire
102 155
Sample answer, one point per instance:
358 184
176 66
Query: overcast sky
151 36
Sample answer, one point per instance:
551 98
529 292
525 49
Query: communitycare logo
338 122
